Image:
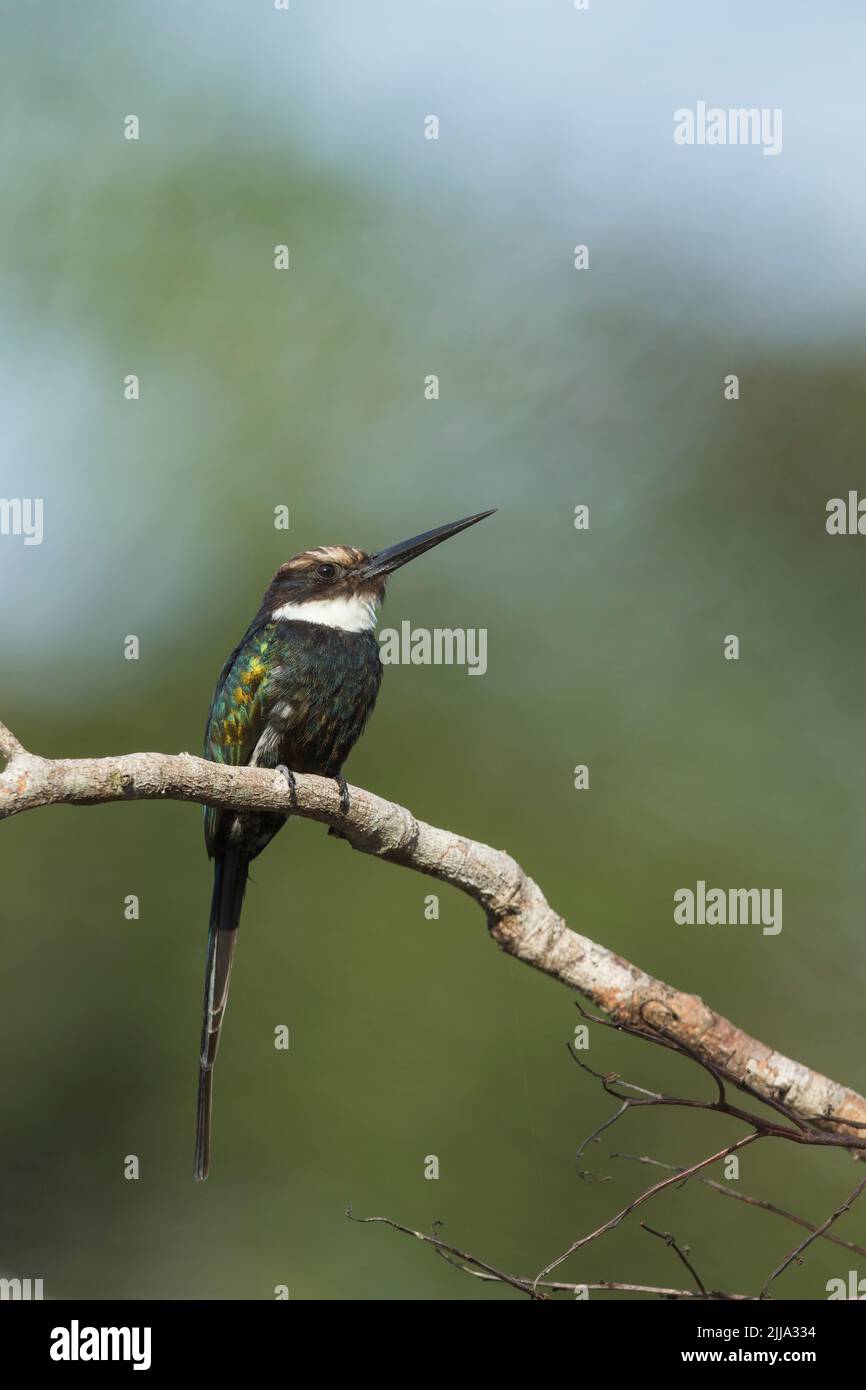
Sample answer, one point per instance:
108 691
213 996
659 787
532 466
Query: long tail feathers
230 881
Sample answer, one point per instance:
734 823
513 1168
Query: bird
295 696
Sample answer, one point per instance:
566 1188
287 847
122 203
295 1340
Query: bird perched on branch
294 695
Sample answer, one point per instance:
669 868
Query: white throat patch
354 614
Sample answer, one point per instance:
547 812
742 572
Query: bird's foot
289 778
344 805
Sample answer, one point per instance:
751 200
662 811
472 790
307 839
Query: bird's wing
238 711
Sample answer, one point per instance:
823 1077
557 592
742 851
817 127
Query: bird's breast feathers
349 613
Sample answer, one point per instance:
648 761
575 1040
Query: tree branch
480 1269
749 1201
519 918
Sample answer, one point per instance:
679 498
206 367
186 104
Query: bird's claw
289 779
344 793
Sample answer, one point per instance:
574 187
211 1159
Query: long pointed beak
396 555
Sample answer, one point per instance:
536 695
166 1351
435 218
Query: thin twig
678 1251
749 1201
640 1199
798 1250
480 1269
524 1285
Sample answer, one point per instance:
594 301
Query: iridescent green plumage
294 695
238 711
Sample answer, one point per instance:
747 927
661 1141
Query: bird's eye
326 571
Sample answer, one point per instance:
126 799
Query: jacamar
294 695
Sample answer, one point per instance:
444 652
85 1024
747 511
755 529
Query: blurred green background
258 388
